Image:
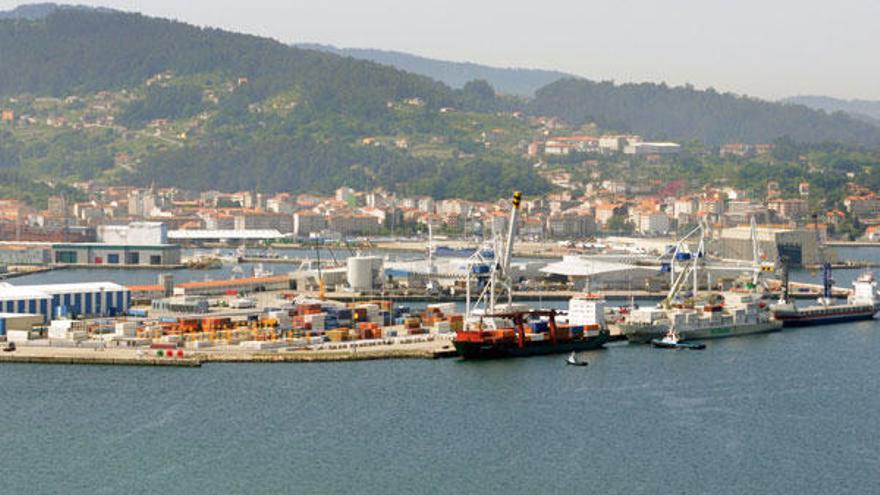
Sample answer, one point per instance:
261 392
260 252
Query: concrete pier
352 351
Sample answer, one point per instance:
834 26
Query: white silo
365 272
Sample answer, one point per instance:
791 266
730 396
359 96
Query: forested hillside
126 98
231 111
682 113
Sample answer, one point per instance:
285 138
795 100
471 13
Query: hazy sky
766 48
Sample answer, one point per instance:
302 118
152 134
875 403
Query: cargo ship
738 315
534 332
498 331
694 316
863 304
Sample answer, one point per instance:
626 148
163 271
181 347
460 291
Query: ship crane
682 253
492 276
827 281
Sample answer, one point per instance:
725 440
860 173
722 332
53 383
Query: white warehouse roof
580 266
225 234
15 292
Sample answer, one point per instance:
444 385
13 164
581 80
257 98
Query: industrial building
797 245
94 299
17 327
116 254
135 244
134 234
25 254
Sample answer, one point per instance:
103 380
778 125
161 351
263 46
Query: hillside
512 81
657 111
866 110
130 98
34 11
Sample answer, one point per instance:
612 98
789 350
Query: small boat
672 341
574 361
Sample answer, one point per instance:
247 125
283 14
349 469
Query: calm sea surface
792 412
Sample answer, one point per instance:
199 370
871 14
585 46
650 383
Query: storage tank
365 272
166 280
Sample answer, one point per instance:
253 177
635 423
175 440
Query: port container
338 335
137 313
446 308
442 326
539 326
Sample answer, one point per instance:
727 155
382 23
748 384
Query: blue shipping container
539 326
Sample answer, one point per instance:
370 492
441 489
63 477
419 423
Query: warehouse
25 254
112 254
18 327
797 245
93 299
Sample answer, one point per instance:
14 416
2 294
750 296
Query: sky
764 48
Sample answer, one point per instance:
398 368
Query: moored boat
673 341
532 333
863 304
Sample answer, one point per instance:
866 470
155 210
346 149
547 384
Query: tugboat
672 341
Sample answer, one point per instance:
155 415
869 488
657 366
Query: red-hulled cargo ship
524 339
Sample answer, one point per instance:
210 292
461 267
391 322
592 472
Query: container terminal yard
371 307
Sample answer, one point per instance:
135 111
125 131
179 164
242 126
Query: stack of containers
456 323
337 335
343 317
280 316
359 315
372 313
316 322
540 326
442 326
330 321
368 330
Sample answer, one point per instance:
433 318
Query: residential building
862 206
307 222
652 149
354 224
789 208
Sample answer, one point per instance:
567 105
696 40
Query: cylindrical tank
166 280
364 272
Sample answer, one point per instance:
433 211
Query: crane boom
511 232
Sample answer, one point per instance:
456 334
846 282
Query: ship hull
640 334
792 319
477 350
